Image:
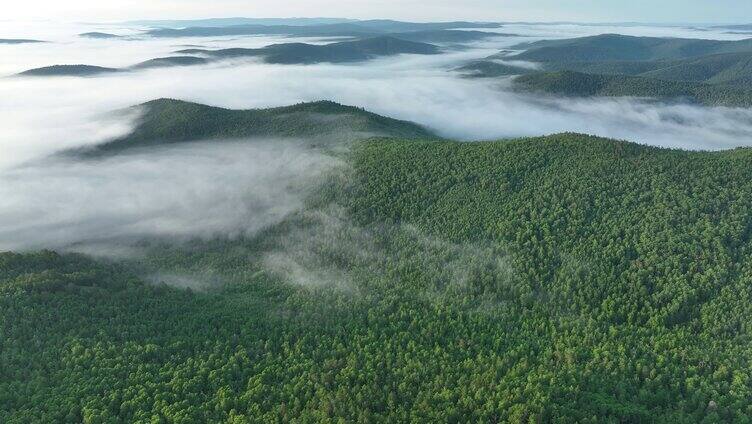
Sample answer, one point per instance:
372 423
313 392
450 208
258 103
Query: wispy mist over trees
336 220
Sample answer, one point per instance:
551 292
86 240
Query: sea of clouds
51 201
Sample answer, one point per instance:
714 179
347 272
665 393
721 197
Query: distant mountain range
288 53
341 29
167 121
614 47
744 27
709 72
19 41
99 35
301 53
447 35
224 22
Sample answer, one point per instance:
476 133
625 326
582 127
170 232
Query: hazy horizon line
502 22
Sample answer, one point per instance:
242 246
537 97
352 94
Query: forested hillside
615 47
731 68
579 84
166 121
557 279
735 68
707 72
490 69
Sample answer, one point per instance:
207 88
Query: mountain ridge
285 53
168 121
339 52
349 28
577 84
20 41
615 47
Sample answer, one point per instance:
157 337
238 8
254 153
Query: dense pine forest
499 216
566 278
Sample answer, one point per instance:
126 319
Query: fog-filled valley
418 88
318 220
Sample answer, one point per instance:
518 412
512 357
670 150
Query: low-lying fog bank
191 190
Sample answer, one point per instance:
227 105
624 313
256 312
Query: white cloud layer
194 190
226 188
42 115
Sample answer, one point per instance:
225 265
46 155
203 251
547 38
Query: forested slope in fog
533 280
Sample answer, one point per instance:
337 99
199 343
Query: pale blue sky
669 11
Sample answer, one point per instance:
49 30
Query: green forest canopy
556 279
